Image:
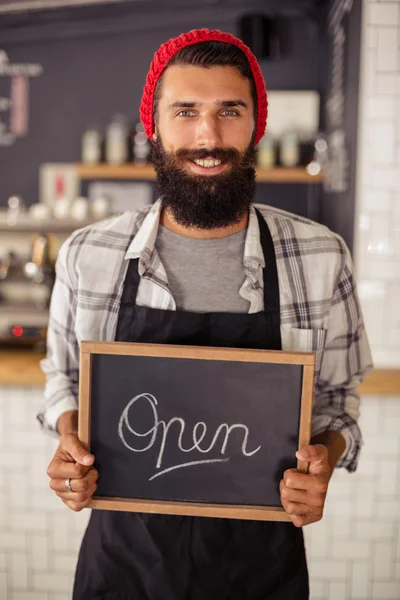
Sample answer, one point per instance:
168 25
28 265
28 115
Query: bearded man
205 266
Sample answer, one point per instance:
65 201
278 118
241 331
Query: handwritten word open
199 433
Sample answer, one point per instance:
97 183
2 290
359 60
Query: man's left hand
303 495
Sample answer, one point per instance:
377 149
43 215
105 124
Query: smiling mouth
207 162
208 165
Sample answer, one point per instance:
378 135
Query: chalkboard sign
193 430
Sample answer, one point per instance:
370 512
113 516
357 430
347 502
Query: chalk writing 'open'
198 435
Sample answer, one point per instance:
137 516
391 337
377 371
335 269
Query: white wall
354 552
377 233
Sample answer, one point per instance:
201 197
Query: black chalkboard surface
192 430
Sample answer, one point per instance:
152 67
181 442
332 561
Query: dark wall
337 207
95 61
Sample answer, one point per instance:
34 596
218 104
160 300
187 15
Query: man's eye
230 113
185 113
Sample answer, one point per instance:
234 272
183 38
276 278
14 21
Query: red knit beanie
169 49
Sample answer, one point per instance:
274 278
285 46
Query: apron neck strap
270 271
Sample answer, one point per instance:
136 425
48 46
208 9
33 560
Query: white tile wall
377 232
353 553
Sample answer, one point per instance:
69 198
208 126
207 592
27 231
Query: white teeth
207 162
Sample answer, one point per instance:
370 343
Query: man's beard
205 201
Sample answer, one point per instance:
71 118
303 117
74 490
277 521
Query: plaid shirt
320 311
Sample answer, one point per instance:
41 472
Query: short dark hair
210 54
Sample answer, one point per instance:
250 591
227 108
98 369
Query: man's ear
154 137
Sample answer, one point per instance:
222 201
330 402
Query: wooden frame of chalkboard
90 351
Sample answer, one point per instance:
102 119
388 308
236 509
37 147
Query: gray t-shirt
204 275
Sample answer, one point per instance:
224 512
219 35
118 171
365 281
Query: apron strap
270 271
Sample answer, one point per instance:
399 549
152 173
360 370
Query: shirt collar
142 245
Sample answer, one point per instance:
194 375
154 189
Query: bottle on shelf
15 209
91 146
289 151
141 147
116 143
266 152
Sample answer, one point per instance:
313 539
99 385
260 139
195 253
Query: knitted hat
168 50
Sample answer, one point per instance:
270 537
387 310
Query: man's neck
168 221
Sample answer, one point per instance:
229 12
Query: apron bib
134 556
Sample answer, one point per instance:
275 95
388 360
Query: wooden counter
21 368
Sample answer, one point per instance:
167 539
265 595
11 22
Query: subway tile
388 44
39 552
387 478
391 425
18 572
376 200
64 562
378 240
51 582
29 596
387 509
371 37
386 270
371 422
380 107
384 148
383 564
28 521
382 14
386 177
328 569
3 585
319 539
12 540
374 530
348 549
361 583
381 446
337 589
386 590
10 459
387 83
318 589
386 358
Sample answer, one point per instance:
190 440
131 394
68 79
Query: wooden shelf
128 171
26 224
20 367
381 382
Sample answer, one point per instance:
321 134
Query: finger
77 506
309 498
316 453
302 520
70 443
299 481
296 508
78 497
77 485
63 469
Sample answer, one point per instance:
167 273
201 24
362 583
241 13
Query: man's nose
208 134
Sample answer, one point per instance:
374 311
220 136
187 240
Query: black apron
132 556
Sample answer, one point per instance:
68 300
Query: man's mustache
222 154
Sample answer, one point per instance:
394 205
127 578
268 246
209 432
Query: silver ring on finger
68 485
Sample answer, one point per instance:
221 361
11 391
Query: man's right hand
72 461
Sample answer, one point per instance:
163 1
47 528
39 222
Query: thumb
75 448
316 456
